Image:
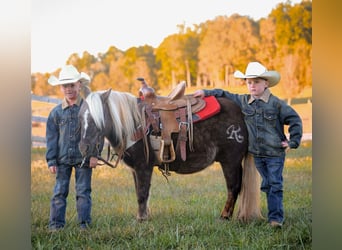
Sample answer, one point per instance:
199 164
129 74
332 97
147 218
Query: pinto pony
223 138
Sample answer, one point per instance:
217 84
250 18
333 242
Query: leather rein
109 158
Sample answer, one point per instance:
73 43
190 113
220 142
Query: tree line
206 54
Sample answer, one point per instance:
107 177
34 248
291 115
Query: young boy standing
265 116
62 152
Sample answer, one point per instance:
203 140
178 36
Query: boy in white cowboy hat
265 116
62 152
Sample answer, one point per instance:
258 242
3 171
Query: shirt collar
65 104
264 97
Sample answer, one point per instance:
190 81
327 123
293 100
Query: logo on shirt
234 133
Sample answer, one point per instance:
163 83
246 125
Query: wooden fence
39 141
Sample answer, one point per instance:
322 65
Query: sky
60 28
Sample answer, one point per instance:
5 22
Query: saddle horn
145 90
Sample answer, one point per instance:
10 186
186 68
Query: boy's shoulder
56 109
277 99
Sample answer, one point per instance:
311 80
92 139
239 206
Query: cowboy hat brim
83 77
273 77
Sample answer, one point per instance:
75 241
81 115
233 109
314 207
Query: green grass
184 211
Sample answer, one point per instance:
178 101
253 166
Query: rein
108 163
110 158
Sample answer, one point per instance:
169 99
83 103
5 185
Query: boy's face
71 90
256 86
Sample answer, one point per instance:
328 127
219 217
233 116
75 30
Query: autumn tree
40 86
112 55
100 82
226 43
136 62
82 63
268 47
169 58
293 37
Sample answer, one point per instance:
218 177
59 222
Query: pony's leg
233 176
135 182
142 174
142 181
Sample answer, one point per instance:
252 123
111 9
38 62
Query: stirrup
171 151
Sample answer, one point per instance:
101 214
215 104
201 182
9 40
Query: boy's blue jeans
271 171
61 191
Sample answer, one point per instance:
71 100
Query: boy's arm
216 93
51 142
295 128
223 93
212 92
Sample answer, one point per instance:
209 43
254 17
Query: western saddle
167 115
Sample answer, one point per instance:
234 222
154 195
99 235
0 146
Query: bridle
97 154
110 155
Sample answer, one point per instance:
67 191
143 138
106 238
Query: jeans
271 171
61 191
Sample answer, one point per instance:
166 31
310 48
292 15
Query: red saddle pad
212 107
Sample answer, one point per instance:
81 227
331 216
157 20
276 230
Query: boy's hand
92 162
198 93
285 145
53 169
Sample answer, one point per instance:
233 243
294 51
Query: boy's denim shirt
63 135
265 119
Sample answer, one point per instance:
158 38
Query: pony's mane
95 108
124 113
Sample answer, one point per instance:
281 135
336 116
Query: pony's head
108 114
92 124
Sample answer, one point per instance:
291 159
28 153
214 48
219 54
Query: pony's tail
249 198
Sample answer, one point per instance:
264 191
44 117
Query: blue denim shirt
63 135
265 119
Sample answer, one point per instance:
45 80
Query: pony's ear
85 91
106 94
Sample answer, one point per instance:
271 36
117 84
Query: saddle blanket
211 108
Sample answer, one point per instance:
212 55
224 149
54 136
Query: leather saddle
168 115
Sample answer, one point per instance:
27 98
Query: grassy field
184 211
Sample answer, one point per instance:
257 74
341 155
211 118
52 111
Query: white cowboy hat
69 74
257 70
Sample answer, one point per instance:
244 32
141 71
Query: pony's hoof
224 217
142 218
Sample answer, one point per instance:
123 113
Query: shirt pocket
248 114
270 118
61 122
